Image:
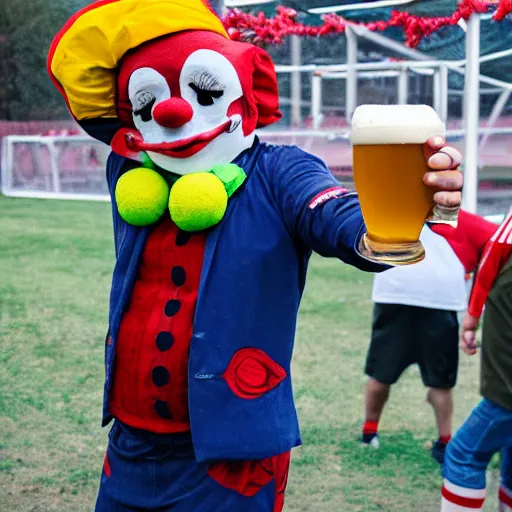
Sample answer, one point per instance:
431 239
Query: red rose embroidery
249 477
251 373
246 478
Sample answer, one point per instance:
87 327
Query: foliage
26 31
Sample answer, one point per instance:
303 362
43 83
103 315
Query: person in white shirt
415 322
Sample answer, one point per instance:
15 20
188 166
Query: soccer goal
57 166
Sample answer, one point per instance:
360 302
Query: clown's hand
468 341
445 178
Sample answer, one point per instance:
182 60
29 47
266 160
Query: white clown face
191 129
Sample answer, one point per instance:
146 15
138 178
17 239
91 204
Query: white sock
462 499
505 499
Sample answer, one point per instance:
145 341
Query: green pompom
146 161
141 196
197 201
231 175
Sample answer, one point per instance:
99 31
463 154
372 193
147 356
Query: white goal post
73 166
54 167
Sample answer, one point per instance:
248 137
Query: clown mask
164 85
192 101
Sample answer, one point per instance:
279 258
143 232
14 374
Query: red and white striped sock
505 499
462 499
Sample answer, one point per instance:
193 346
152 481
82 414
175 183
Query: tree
26 31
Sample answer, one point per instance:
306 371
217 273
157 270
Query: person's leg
388 356
505 492
437 341
486 431
441 401
144 471
252 486
375 397
159 473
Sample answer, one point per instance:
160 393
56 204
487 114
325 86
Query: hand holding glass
389 164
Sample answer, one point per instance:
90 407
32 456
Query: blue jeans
486 431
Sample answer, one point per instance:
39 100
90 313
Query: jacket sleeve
479 232
496 253
315 208
468 239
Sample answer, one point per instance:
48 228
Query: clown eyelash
205 81
207 88
144 105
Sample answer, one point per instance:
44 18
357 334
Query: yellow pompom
197 201
141 196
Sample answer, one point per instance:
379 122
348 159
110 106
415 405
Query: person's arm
479 231
468 239
496 253
315 208
328 218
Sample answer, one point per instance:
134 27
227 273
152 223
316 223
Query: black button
172 307
164 341
182 238
178 276
162 409
160 376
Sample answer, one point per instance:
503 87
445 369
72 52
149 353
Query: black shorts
405 335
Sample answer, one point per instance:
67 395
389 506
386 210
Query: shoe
438 451
371 440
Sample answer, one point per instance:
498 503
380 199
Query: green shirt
496 373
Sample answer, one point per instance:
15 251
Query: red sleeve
468 239
496 253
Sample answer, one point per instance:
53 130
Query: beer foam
395 124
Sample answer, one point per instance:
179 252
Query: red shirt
150 389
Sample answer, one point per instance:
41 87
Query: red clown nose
173 113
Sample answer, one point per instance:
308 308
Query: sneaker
438 451
371 440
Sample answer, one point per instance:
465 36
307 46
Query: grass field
56 260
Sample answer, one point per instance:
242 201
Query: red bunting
259 29
504 9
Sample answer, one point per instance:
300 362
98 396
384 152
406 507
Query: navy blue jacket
252 281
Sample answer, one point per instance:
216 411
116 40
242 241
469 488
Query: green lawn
56 260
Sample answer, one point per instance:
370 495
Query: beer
389 165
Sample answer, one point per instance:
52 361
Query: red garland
259 29
504 9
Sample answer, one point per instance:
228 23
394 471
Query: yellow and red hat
85 54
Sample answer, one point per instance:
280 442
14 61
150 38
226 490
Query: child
415 322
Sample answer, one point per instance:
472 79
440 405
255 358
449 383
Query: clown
213 232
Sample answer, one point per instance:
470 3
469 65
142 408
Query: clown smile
184 148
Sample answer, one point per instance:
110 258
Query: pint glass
389 165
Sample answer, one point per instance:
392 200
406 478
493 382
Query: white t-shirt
437 282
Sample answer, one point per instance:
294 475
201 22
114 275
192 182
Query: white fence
73 167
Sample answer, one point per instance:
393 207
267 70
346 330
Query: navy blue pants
146 472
